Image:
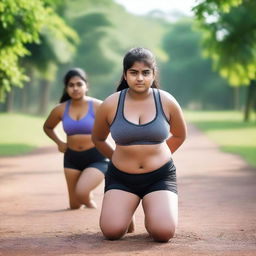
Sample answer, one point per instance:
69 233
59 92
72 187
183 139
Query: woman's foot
91 204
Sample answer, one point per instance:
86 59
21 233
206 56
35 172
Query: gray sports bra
127 133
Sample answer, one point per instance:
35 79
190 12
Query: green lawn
228 130
21 134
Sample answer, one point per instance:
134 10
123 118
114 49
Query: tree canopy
187 74
21 22
230 37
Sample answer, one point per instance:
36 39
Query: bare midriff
80 142
141 158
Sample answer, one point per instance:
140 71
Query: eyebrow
131 69
78 82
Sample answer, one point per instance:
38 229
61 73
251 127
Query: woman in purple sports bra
147 126
84 165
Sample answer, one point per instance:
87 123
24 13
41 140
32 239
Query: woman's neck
139 95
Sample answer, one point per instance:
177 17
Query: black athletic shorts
80 160
163 178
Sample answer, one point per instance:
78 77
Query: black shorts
163 178
80 160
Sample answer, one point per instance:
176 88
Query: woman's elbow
95 140
184 137
45 128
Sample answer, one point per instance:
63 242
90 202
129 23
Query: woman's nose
139 77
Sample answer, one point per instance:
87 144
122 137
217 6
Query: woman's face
76 87
139 77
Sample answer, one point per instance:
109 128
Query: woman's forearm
105 148
52 135
174 143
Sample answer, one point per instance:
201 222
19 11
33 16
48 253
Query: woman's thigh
89 179
118 207
161 210
72 177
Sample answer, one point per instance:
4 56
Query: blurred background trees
41 39
229 39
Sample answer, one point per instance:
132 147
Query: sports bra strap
90 108
67 108
121 102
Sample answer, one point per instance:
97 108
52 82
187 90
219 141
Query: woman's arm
51 122
178 127
101 131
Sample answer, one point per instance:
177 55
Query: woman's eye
146 73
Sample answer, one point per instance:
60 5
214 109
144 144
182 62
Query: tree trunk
250 100
44 96
24 98
236 97
9 101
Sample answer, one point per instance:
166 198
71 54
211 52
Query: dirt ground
217 208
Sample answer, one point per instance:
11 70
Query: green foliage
210 6
61 38
57 46
21 21
187 75
91 28
17 27
227 130
230 37
106 32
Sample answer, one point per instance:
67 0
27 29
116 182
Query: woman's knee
82 195
162 234
113 231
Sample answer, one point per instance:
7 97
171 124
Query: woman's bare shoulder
96 102
167 98
111 101
93 99
59 109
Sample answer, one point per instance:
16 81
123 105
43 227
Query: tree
230 41
57 46
187 74
21 22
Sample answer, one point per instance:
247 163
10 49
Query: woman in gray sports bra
147 126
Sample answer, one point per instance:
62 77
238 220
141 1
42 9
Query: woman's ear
124 76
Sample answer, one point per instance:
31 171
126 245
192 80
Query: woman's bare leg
118 208
72 177
161 214
89 180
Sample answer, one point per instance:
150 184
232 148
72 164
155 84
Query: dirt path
217 194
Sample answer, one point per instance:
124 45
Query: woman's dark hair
71 73
138 54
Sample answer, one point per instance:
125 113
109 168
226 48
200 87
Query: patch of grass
228 130
248 153
21 133
15 149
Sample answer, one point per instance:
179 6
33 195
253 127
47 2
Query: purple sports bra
81 126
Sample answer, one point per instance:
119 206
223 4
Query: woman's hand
62 147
